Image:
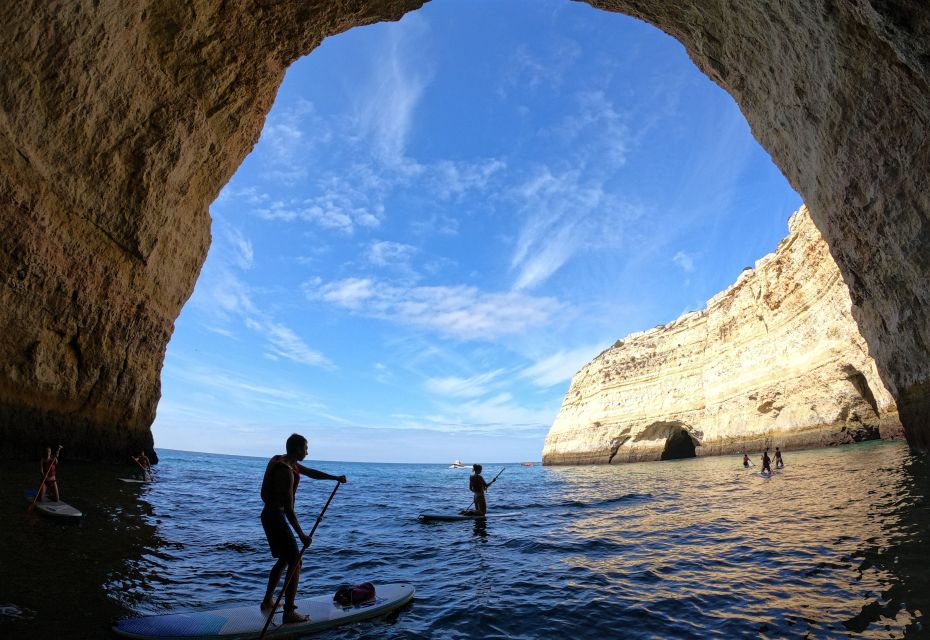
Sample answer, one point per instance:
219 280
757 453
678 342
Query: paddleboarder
279 488
766 462
478 486
746 461
779 463
49 468
143 461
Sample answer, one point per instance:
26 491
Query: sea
834 545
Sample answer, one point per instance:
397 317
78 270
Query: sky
445 218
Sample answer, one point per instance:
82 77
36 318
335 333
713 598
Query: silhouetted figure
766 462
279 488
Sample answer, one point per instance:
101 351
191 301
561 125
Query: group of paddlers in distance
766 461
48 467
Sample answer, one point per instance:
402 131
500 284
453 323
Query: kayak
53 508
245 622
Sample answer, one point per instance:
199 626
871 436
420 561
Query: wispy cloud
563 214
531 70
461 312
452 179
392 94
290 139
281 342
472 387
385 253
560 367
597 132
685 261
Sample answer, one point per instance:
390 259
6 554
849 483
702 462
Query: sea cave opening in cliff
445 218
678 446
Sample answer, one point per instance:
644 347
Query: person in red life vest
478 486
49 467
279 488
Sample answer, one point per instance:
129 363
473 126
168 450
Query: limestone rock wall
119 124
776 359
121 121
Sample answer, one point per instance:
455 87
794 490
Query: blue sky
445 218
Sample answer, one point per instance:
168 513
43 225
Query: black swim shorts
280 538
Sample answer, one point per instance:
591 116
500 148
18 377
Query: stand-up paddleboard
454 517
243 623
133 480
53 508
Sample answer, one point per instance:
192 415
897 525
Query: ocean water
833 546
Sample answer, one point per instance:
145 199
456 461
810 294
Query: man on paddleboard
766 462
279 488
478 486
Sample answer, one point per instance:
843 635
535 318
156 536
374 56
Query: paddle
299 556
488 487
146 473
32 505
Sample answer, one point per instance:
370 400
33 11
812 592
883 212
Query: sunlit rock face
775 360
121 121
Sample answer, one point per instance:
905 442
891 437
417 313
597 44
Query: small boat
526 464
457 465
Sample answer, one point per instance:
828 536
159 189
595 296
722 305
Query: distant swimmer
779 463
279 488
766 462
747 462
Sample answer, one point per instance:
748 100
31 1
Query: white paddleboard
243 623
54 508
134 480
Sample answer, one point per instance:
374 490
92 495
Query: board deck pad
54 508
245 622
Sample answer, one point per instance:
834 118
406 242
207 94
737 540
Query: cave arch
121 128
678 445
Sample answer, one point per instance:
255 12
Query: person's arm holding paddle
319 475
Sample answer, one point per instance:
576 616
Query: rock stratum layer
775 360
121 121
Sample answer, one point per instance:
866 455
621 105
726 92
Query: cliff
776 359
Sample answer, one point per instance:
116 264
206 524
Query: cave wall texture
120 122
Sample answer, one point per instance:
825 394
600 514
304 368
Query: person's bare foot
292 615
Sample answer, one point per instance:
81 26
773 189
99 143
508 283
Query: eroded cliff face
121 121
775 360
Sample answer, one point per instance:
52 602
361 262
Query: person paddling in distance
779 463
279 488
746 461
48 466
143 461
478 486
766 462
